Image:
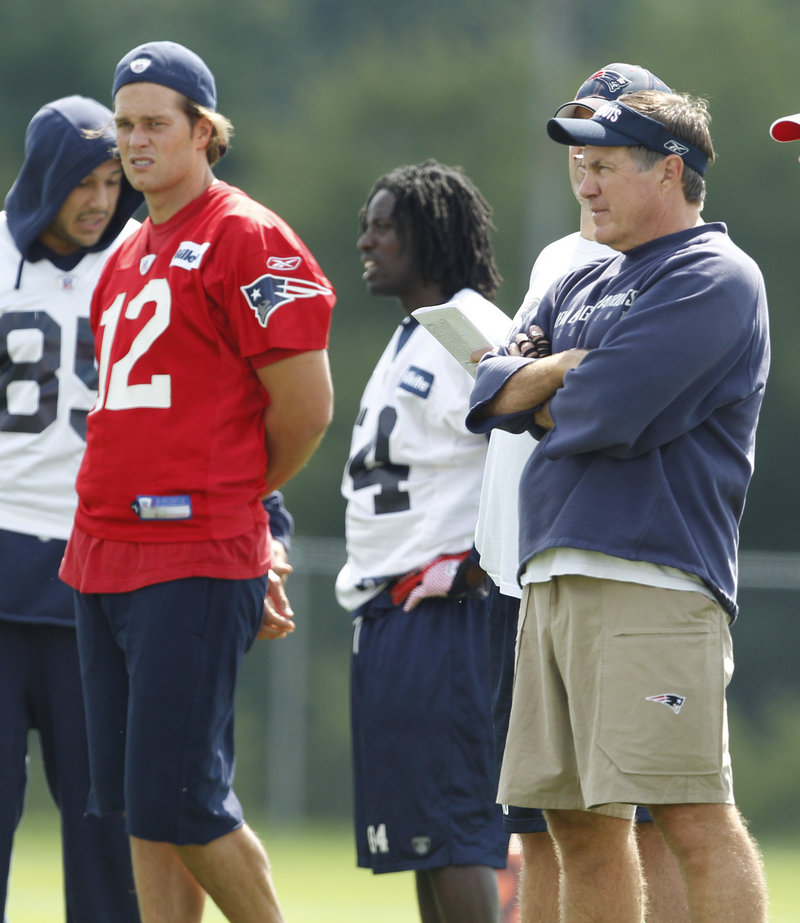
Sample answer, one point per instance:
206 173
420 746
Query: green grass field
315 876
314 871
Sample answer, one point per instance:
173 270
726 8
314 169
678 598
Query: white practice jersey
412 482
47 386
497 532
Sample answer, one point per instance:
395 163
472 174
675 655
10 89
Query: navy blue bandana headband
617 125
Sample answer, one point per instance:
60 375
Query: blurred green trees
327 96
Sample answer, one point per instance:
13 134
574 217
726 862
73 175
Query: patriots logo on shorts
670 699
421 845
271 292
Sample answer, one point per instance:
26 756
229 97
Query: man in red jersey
211 327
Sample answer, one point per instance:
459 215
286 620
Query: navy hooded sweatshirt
58 155
653 445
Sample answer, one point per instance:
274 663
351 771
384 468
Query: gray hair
687 119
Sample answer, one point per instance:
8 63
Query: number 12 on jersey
114 390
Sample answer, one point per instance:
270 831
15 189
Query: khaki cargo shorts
619 698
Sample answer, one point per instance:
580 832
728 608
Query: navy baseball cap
171 65
608 83
617 125
786 128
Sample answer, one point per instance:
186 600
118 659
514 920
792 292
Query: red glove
435 579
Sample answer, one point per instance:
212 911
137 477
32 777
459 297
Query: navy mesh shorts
159 668
424 765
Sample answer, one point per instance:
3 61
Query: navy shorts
30 590
425 772
159 668
503 614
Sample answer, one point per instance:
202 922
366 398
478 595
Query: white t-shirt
496 535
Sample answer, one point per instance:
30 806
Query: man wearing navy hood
66 212
646 412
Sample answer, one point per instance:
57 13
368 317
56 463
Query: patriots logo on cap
615 82
271 292
670 699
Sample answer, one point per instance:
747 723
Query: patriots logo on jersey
271 292
670 699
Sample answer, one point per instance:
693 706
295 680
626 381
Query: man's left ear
204 129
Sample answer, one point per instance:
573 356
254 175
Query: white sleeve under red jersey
176 443
412 482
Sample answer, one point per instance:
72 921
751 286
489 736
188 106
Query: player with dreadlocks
423 754
448 223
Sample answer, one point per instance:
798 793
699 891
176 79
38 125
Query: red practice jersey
182 315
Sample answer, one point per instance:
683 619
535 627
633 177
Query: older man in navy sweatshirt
646 411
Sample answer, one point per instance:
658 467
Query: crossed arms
534 383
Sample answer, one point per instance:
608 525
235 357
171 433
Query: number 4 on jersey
381 471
